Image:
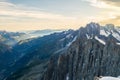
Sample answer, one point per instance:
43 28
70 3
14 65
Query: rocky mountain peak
93 25
110 26
91 30
94 53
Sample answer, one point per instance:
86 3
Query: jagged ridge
87 56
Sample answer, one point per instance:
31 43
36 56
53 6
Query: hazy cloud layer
17 15
112 2
111 9
9 9
113 21
108 4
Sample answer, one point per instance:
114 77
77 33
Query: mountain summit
95 52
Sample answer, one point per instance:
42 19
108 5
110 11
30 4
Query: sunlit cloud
20 16
110 13
103 4
115 21
9 9
112 2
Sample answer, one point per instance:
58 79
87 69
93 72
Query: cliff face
36 54
90 55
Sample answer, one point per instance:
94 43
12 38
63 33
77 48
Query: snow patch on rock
103 32
109 78
116 35
100 40
72 41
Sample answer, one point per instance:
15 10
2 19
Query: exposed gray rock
86 59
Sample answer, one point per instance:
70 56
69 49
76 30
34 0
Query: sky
17 15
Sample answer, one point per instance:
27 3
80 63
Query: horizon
58 14
59 29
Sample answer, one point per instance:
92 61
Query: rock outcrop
86 58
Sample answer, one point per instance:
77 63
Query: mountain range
83 54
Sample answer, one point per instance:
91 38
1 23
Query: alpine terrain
94 53
84 54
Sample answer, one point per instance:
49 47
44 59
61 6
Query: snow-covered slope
101 33
109 78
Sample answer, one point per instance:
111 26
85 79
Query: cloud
115 21
107 4
110 10
18 17
3 0
112 2
96 3
9 9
